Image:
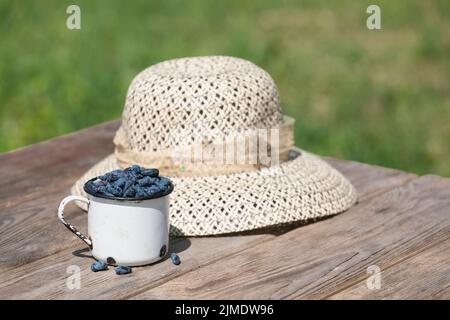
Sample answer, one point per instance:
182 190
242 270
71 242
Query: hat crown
175 102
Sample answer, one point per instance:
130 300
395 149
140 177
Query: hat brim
300 189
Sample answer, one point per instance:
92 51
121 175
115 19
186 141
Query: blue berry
99 189
114 190
99 185
151 172
164 182
118 172
135 169
110 176
100 182
175 258
130 192
140 193
123 270
130 181
120 183
106 193
99 266
134 172
146 181
154 189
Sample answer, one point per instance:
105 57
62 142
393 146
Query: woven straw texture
178 102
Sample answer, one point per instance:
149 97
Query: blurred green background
380 97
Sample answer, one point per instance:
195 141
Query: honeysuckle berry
99 266
175 258
123 270
132 182
151 172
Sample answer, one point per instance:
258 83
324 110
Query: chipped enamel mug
124 231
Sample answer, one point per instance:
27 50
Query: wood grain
36 249
369 179
37 170
319 260
426 275
45 278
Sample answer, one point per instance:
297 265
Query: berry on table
175 258
99 266
123 270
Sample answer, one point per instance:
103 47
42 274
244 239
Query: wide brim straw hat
177 107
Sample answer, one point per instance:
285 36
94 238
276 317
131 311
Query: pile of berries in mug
133 182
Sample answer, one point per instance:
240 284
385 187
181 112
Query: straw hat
175 108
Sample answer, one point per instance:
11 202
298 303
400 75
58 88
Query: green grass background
380 97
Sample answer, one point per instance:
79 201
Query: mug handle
72 228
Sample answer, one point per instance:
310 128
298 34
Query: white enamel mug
123 231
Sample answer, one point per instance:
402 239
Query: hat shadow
276 230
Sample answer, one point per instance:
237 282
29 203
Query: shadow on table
178 244
83 253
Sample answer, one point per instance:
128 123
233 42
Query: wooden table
400 225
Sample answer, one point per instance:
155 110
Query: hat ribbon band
244 150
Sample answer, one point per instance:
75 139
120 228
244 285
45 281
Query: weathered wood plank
371 183
425 274
45 278
37 170
319 260
36 249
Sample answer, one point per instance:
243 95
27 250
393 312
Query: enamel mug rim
87 188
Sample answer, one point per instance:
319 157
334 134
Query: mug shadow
178 244
81 253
